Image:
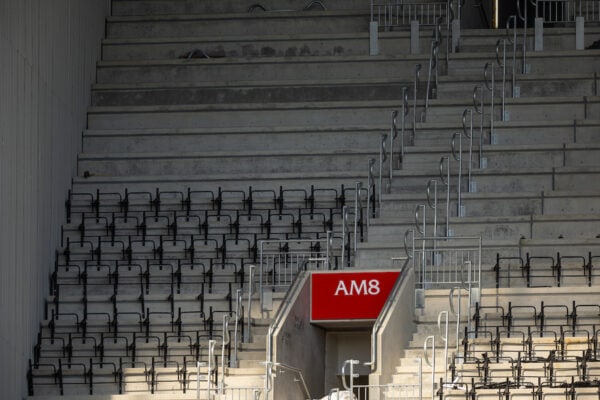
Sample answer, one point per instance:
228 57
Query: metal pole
247 335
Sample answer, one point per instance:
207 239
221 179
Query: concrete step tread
207 179
493 195
335 59
308 106
496 243
499 148
220 154
505 172
383 222
567 123
303 83
241 16
377 104
445 79
231 130
253 38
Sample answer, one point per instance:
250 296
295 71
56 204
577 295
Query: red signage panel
350 295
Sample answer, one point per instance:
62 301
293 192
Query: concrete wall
48 51
301 345
397 330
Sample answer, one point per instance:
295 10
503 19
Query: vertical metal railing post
351 364
344 233
211 354
433 205
404 113
431 363
393 135
513 19
415 91
248 334
357 210
444 336
491 88
382 160
502 64
432 70
479 109
370 192
459 177
456 311
523 17
468 132
446 181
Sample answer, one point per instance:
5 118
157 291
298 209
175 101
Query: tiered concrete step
237 139
530 85
502 180
523 132
165 7
127 164
502 228
398 67
347 43
497 204
506 156
237 24
543 62
555 38
288 45
177 93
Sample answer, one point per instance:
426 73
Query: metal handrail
468 132
248 334
523 17
357 213
403 113
433 205
298 372
422 230
459 160
490 84
345 231
370 191
226 340
238 314
446 182
351 363
444 336
382 159
415 91
430 363
502 64
393 135
479 109
433 56
289 271
406 251
513 41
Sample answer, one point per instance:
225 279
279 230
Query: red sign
350 295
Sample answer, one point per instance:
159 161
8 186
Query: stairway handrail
383 156
299 373
415 91
446 182
434 205
393 135
513 41
480 109
490 85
